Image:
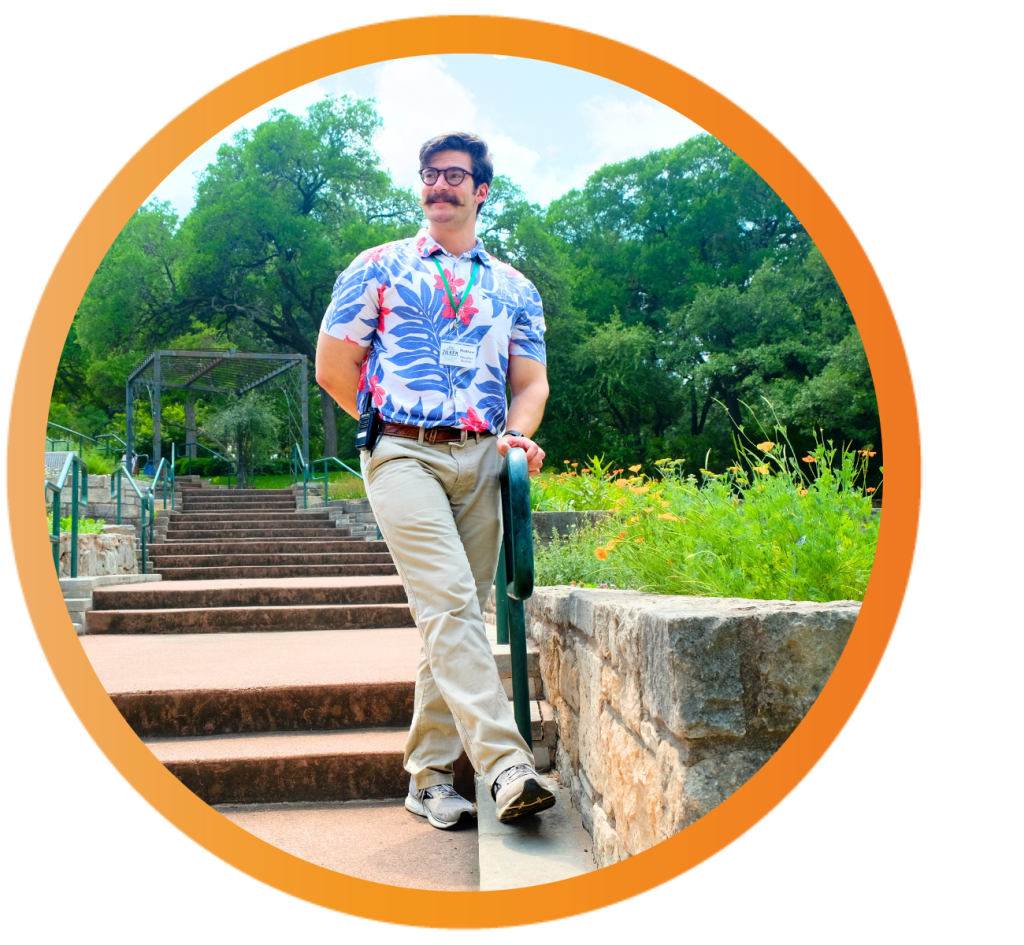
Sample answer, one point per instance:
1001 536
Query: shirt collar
427 246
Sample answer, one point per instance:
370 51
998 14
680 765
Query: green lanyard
448 289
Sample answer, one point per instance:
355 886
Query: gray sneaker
518 792
442 805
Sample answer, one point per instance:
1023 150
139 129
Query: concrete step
243 593
209 684
273 571
264 516
219 502
244 619
161 560
378 841
216 546
289 766
545 848
292 531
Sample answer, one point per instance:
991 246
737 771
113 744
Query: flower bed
770 527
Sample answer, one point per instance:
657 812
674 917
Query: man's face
447 205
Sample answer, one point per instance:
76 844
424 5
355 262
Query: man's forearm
527 408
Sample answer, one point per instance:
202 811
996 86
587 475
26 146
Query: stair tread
252 745
271 659
378 841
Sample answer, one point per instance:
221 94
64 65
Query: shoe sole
415 806
532 799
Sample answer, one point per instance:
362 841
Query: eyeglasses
454 175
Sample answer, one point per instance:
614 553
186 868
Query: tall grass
772 526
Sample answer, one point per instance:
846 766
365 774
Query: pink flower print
362 377
381 308
351 341
454 283
467 311
373 255
514 273
420 242
378 391
474 422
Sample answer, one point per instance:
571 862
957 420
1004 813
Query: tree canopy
677 287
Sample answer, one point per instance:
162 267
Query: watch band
513 433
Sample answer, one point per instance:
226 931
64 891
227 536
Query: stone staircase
272 670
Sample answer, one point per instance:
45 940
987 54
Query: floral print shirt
392 300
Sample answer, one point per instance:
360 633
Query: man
426 330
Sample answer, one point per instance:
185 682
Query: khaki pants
439 510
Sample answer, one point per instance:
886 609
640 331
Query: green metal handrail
56 488
120 472
298 463
232 463
330 459
513 582
82 437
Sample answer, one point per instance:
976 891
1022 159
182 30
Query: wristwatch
512 433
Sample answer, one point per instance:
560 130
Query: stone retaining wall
666 705
112 552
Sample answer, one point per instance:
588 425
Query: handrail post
501 598
74 521
118 474
55 530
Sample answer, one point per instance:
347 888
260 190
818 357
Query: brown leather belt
431 434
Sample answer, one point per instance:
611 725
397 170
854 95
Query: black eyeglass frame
439 172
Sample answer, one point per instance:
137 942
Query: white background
907 114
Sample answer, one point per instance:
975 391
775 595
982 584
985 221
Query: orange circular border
658 80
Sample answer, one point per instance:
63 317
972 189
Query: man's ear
481 191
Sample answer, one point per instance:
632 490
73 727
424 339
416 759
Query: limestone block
795 652
711 781
99 554
608 849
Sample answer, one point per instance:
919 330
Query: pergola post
129 421
304 401
156 411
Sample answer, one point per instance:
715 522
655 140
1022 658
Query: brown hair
473 145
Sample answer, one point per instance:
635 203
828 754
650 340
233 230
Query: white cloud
620 130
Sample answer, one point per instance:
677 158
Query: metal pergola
219 372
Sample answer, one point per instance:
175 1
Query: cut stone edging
666 704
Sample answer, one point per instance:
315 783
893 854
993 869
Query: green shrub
86 526
97 463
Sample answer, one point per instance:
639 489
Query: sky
548 126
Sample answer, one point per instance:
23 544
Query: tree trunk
330 424
191 434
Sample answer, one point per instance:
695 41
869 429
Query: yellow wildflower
648 510
632 521
636 468
639 490
761 469
668 517
622 483
803 492
620 501
765 446
665 504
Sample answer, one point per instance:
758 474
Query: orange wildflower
632 521
803 492
636 468
639 490
575 464
637 541
665 504
867 452
600 553
810 459
623 534
668 517
765 446
761 469
622 483
648 510
870 489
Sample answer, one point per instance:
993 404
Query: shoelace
441 790
511 774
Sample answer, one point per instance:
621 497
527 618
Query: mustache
444 197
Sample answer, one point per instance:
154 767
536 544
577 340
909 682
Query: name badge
458 355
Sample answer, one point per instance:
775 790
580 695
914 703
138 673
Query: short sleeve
355 307
528 327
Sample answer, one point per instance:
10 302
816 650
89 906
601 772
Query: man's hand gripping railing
513 582
69 467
